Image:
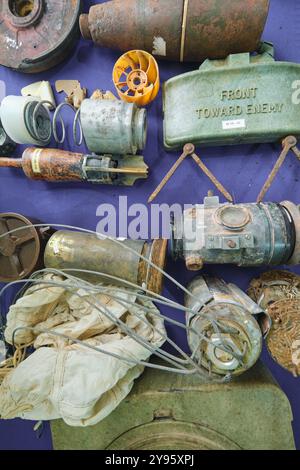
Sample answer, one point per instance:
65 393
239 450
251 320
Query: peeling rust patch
213 29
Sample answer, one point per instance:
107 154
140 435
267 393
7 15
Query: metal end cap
84 27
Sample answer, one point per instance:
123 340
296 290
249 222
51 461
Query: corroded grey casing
113 127
243 234
239 331
242 99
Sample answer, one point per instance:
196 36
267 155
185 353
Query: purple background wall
242 169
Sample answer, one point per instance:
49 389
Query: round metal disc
233 217
243 334
37 34
20 251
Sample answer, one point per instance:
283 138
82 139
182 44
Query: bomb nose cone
84 27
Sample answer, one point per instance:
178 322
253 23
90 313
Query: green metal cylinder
242 234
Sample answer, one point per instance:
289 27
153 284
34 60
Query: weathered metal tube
177 29
114 127
239 330
243 234
55 165
77 250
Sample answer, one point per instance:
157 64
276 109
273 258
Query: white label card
234 124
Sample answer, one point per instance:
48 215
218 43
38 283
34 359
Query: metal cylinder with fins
56 165
179 30
83 251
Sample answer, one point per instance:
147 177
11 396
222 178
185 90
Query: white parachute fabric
61 379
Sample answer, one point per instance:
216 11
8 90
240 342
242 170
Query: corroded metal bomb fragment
177 29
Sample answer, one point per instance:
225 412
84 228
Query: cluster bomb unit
95 305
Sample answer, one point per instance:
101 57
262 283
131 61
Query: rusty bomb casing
239 331
83 251
55 165
176 29
242 99
242 234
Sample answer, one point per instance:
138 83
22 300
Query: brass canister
84 251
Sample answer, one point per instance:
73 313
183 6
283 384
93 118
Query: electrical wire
141 292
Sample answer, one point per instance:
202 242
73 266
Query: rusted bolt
231 244
290 141
194 263
189 148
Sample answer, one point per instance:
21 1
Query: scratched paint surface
243 169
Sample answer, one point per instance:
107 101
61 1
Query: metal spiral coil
36 123
76 122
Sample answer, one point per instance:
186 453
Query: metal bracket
189 150
97 169
113 169
289 144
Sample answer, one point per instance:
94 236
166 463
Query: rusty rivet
194 263
231 244
189 148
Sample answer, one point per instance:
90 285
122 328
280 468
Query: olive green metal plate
169 411
242 99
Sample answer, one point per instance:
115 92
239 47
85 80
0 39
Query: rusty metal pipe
185 30
7 162
55 165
